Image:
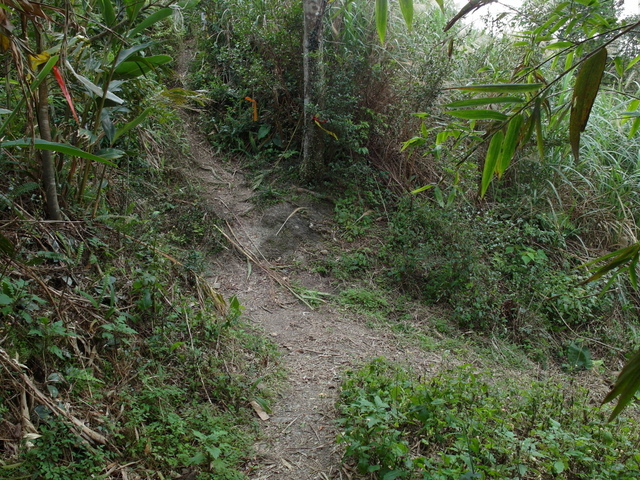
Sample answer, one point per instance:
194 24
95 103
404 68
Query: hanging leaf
626 386
65 92
56 147
478 115
382 10
584 94
509 145
406 7
490 161
502 87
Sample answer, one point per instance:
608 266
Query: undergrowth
465 424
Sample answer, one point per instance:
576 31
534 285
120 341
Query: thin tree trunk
46 158
313 66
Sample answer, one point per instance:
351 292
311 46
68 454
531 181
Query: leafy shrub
464 424
495 270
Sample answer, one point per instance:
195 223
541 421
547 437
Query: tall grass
601 191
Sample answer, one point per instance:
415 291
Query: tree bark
313 66
46 158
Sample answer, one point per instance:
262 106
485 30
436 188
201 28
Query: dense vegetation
104 308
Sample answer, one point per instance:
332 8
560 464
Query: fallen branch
12 365
266 268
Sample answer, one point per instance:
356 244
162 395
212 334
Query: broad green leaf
579 356
490 161
107 125
413 142
475 102
132 124
4 111
382 10
55 147
634 127
133 8
150 20
584 94
136 66
626 386
406 7
509 145
478 114
440 4
619 66
109 153
125 54
108 13
96 90
503 88
558 45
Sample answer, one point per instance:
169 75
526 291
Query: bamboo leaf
150 20
584 94
382 10
633 62
475 102
490 161
478 114
509 145
635 126
626 386
619 258
56 147
406 7
502 87
557 45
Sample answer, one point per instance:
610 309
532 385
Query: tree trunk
46 158
313 142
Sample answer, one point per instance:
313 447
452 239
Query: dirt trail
317 344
